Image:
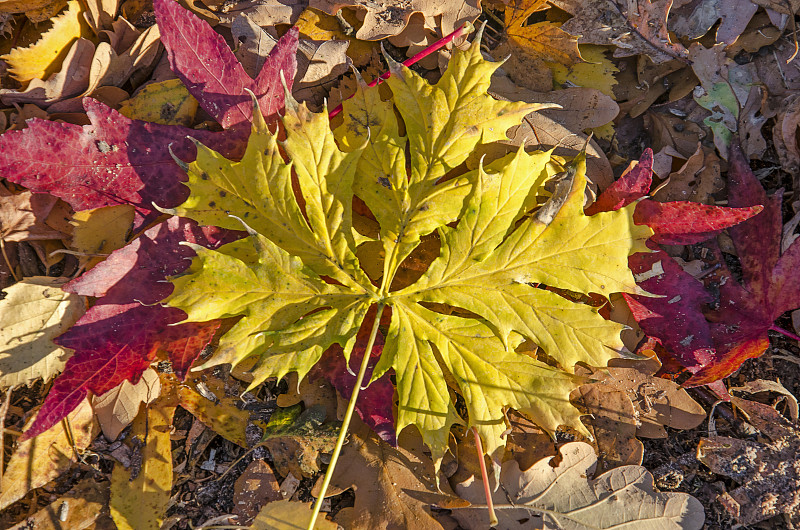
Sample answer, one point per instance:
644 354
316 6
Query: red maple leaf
676 320
770 284
115 160
119 336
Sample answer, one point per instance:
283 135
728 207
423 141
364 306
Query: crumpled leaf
319 64
769 482
318 26
44 57
626 401
390 18
119 336
563 496
201 59
696 180
71 80
139 495
634 27
36 462
486 266
118 407
34 311
402 481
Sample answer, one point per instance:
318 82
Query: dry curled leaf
401 481
390 18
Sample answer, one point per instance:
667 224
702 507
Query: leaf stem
486 490
465 28
784 332
351 407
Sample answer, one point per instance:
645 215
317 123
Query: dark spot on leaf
212 204
223 193
384 181
424 208
168 111
204 176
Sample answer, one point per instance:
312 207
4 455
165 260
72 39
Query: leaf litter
712 100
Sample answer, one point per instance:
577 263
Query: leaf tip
168 211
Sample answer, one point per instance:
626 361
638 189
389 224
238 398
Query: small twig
710 399
486 490
212 523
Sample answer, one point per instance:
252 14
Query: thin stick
351 406
486 490
441 43
3 412
784 332
8 262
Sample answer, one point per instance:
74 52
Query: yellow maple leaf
44 57
298 286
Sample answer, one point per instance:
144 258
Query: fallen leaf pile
549 228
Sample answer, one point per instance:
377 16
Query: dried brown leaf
563 496
400 481
254 488
390 18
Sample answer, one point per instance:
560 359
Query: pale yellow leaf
166 102
118 407
34 312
